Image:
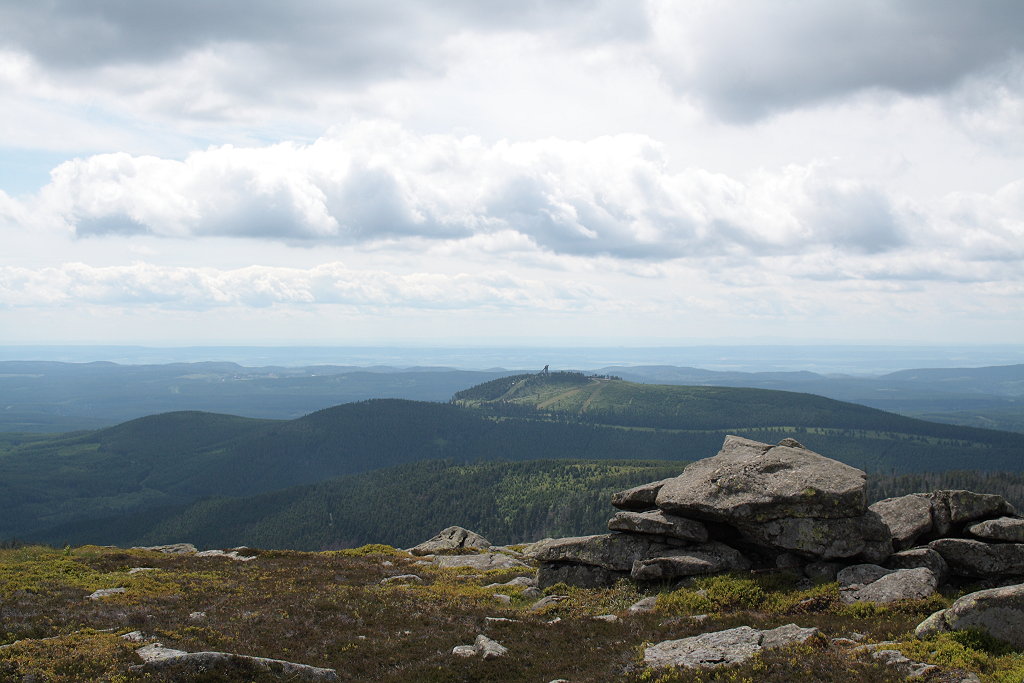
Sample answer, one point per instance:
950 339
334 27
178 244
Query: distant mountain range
145 472
45 396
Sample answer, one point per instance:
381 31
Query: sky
639 172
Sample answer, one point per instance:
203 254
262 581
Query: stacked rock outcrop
757 506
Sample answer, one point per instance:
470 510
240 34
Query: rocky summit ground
380 614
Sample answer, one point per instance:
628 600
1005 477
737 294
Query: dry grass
330 610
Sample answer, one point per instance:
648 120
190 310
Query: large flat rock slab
1006 529
823 538
638 498
482 561
722 648
615 552
749 481
209 665
977 559
705 558
658 523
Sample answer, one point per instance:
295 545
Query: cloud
376 182
187 288
258 50
749 60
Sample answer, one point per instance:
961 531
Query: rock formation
451 539
758 506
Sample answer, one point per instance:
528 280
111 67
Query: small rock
136 570
525 581
231 555
401 578
532 593
464 651
903 664
489 649
490 621
105 592
501 597
134 636
387 563
644 606
196 616
610 618
548 600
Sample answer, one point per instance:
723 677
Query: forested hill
178 458
612 401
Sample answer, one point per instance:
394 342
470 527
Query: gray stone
489 649
482 561
547 601
977 559
934 624
920 557
188 665
402 578
452 538
530 550
582 575
231 555
903 664
464 651
524 581
532 593
707 558
616 552
638 498
822 571
907 517
170 548
722 648
1008 529
105 592
644 606
657 523
900 584
754 482
861 574
137 570
502 598
996 611
823 538
610 618
968 506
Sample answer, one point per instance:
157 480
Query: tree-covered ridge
506 502
179 458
